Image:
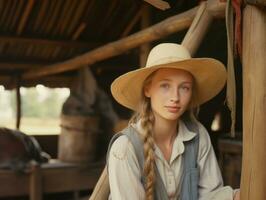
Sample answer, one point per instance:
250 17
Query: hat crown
166 53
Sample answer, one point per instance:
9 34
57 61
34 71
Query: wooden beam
253 179
50 81
155 32
25 16
145 22
160 4
198 28
80 29
57 43
19 66
216 8
207 11
166 27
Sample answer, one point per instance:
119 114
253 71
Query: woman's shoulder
122 146
205 145
203 133
201 130
204 137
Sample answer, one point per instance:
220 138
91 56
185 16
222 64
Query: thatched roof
35 34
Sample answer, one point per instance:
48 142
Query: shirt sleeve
210 181
124 172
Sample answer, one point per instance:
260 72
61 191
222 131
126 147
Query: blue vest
189 189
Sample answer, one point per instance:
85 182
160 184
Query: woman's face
170 92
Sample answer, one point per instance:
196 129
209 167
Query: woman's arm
210 182
124 171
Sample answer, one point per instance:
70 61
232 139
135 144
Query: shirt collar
184 134
178 147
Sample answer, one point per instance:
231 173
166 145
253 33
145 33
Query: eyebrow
166 79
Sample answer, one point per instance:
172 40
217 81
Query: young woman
165 94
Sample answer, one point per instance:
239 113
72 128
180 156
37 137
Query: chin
172 117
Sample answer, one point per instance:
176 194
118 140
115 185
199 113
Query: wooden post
145 22
198 28
253 179
35 182
18 98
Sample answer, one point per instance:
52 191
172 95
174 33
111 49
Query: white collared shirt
124 171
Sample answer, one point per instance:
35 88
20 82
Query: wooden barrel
78 138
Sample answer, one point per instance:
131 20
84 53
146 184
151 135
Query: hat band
166 60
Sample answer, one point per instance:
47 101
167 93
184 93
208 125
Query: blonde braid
146 117
147 120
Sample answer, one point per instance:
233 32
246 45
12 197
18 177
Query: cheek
157 100
187 97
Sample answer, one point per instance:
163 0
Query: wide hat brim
209 75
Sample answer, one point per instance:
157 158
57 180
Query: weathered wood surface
198 29
166 27
56 177
78 138
35 187
253 180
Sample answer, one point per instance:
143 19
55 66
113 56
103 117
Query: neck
165 131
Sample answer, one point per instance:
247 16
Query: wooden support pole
197 29
18 98
145 22
253 179
216 8
101 188
35 182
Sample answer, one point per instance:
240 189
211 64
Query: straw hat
209 74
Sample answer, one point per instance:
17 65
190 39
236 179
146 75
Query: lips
172 109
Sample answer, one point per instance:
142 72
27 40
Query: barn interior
50 43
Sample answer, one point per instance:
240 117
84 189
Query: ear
147 91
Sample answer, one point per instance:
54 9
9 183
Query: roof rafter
61 43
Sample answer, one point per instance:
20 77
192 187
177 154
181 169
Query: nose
174 96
